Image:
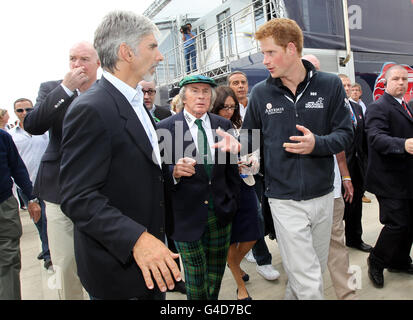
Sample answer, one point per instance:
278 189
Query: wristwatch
35 200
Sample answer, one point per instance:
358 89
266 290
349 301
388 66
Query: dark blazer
356 153
410 104
390 167
50 108
162 112
111 189
191 195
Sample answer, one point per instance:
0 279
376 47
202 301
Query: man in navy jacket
12 166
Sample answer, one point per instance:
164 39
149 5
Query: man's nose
160 56
76 63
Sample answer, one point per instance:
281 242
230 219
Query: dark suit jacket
410 104
111 189
356 153
50 108
390 167
190 196
162 112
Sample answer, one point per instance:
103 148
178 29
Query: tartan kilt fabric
204 260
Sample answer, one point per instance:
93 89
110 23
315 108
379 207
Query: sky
36 37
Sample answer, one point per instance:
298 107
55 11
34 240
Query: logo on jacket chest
270 109
319 104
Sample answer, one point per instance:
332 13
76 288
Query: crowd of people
123 192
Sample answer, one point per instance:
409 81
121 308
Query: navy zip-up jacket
11 165
319 106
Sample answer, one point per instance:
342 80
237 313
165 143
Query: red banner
379 87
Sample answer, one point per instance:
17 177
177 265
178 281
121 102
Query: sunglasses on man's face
150 92
25 109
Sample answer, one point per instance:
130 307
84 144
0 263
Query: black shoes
245 277
40 256
246 298
375 274
408 270
362 247
179 287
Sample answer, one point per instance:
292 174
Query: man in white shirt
237 81
111 177
31 149
204 198
158 113
356 94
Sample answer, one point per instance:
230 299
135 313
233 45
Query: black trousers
353 211
392 249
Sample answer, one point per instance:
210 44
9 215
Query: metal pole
343 61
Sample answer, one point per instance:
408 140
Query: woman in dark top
245 230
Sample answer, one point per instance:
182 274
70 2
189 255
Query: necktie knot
198 122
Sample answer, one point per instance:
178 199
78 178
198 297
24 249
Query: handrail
232 48
343 61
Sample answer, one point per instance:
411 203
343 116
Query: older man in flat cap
204 198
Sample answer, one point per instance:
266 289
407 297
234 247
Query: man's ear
291 48
125 52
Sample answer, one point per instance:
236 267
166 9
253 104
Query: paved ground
36 282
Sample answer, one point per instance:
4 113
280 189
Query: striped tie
405 108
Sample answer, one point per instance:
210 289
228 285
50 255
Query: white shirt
152 110
206 124
68 91
242 111
31 149
337 179
362 104
135 98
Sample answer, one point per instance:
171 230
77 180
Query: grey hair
234 73
120 27
182 98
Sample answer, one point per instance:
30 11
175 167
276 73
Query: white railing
219 45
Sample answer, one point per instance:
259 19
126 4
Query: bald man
52 102
389 127
313 59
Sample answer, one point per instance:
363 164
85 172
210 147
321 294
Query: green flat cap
197 79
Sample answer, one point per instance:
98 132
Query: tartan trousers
204 260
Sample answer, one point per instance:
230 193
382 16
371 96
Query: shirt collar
152 110
190 119
310 72
129 92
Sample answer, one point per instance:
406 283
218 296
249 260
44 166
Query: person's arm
341 134
378 132
345 177
21 177
50 105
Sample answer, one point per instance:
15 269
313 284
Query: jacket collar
133 126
